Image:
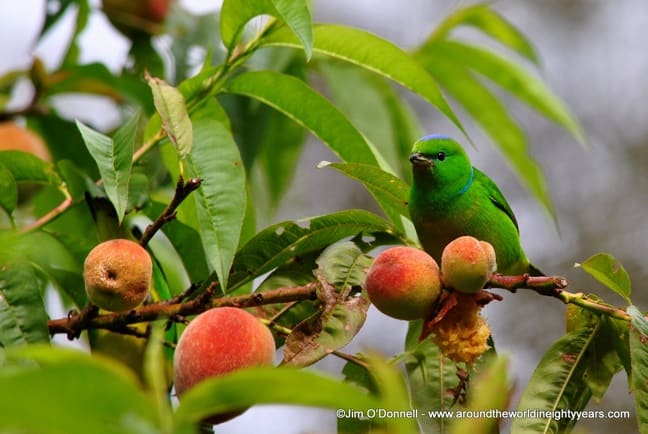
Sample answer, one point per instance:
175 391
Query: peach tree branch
179 307
554 286
74 323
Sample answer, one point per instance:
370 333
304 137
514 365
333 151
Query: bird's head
440 158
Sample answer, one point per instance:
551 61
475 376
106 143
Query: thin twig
182 191
51 215
554 286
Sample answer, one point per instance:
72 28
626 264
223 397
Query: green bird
450 198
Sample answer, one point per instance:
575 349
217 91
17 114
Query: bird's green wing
495 195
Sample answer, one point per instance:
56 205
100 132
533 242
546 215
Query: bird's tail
534 271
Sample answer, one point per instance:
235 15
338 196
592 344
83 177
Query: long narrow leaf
373 53
300 102
221 198
512 77
9 196
170 104
23 319
114 159
295 13
431 376
639 355
608 270
486 19
389 191
556 384
278 243
117 405
269 386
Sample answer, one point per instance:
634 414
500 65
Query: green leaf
486 19
9 189
23 319
557 384
26 167
373 53
360 95
64 141
490 390
156 375
96 78
344 265
491 114
341 317
295 13
606 269
407 128
609 346
114 159
305 106
316 337
639 354
269 386
170 104
48 253
281 147
430 376
117 405
283 241
165 255
221 198
393 393
186 241
389 191
512 77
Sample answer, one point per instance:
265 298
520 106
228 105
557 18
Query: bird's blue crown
433 137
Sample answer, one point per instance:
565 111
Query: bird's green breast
440 219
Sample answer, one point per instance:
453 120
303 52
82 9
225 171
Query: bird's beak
419 160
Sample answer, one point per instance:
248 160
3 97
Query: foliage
229 135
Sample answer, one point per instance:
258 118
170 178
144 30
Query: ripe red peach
403 282
117 275
467 264
217 342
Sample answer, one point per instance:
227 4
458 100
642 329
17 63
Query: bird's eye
440 156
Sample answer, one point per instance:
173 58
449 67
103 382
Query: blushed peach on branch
217 342
466 265
403 282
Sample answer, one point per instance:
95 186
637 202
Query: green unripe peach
467 264
404 282
117 275
217 342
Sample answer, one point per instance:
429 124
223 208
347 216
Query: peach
117 275
489 250
130 16
403 282
467 264
13 137
219 341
